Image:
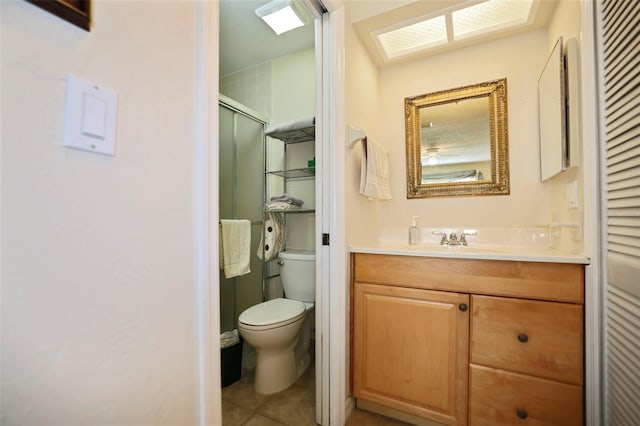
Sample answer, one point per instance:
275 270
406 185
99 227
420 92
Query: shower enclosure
241 197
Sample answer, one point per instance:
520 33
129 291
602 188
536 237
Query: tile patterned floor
295 406
242 406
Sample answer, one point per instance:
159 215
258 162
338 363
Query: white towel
279 206
294 131
236 247
374 171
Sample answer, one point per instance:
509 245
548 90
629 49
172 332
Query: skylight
407 39
479 18
489 16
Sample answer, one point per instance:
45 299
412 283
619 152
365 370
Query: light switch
90 117
572 194
94 116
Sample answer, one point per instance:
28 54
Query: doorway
273 86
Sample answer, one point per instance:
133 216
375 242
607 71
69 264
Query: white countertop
523 254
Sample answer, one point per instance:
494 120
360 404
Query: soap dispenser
414 232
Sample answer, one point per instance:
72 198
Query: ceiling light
432 160
413 37
489 16
282 15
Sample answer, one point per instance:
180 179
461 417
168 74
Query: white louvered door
619 22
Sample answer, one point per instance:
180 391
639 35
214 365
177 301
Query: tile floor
295 406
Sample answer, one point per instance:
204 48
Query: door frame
332 275
592 216
208 408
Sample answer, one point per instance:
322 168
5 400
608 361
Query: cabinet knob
522 414
463 307
523 338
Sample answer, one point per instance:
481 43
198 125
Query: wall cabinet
431 337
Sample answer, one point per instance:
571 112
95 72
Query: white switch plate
572 194
90 117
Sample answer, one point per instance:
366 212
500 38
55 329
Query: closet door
619 23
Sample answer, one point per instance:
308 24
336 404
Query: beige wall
98 253
566 23
519 59
361 112
375 103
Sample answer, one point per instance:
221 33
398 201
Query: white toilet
280 329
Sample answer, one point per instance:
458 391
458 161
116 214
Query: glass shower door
241 179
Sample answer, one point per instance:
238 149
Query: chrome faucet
453 238
464 235
443 240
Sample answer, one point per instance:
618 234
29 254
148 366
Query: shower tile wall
251 87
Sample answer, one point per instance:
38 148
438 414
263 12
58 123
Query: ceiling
407 13
245 40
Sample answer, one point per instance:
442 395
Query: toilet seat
272 314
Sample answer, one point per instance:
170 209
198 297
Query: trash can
231 363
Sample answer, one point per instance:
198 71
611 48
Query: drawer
499 397
543 339
561 282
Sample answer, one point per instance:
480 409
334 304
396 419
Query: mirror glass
457 142
552 116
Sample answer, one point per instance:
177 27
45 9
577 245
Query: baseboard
394 414
349 406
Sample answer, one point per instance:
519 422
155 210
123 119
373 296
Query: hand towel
236 247
286 198
293 131
279 206
374 171
220 250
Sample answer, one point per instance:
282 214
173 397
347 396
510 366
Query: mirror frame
496 91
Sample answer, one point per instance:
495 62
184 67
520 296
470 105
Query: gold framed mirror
457 142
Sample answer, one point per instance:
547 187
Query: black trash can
231 363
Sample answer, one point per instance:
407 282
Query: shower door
241 180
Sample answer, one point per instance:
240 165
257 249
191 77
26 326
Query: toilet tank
298 275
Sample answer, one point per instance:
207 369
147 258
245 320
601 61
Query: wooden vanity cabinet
411 351
515 354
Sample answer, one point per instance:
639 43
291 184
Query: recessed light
281 16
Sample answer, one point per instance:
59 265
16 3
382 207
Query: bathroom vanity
478 338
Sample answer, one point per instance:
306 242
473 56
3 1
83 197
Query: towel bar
253 222
355 135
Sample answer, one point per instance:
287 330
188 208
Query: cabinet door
411 351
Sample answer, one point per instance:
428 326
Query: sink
436 248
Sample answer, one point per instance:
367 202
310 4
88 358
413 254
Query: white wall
293 86
520 59
566 23
293 83
251 87
98 253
